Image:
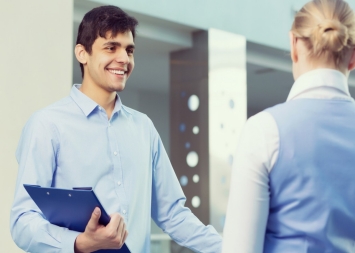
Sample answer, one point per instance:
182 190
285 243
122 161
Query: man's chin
118 88
121 88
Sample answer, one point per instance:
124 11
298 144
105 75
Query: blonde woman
293 182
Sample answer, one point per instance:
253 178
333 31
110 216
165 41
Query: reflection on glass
187 145
196 201
196 178
223 180
222 220
192 159
231 104
195 129
193 102
184 180
230 160
182 127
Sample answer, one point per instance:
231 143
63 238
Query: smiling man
91 139
106 65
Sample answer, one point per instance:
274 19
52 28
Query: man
91 139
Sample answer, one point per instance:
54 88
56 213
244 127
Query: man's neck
102 97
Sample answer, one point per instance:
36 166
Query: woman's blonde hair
327 27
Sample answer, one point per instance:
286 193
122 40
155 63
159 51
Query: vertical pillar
227 114
208 109
189 142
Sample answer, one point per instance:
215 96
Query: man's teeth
117 72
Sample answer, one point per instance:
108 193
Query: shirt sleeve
248 205
36 156
168 207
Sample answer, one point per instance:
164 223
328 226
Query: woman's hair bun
327 27
330 35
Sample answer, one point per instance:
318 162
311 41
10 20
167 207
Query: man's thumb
94 220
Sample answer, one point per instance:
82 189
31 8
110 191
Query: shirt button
115 153
124 211
119 183
109 124
100 108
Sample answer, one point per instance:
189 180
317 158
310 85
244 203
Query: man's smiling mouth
117 72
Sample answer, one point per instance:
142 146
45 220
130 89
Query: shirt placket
117 173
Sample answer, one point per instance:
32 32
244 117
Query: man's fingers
112 236
116 229
94 220
120 233
121 229
115 222
124 237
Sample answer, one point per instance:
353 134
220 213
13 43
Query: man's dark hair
101 20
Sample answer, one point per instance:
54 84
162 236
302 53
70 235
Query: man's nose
122 56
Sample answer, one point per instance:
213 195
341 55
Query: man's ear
351 65
80 53
294 53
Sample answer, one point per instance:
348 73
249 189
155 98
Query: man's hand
97 236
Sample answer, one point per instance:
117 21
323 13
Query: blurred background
202 68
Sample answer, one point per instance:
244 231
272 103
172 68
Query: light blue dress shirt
73 144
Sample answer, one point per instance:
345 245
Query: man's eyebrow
112 43
117 44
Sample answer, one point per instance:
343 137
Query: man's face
111 62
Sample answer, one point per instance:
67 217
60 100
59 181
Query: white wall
35 70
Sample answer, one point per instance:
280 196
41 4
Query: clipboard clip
83 188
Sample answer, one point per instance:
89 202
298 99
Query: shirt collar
86 104
319 78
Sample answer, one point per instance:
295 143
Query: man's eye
130 51
110 48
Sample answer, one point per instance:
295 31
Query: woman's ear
294 53
80 53
351 65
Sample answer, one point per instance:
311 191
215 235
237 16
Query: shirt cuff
68 240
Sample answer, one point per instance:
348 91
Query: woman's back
312 189
292 185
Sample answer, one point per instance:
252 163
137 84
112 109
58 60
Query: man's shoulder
62 104
139 118
134 113
53 110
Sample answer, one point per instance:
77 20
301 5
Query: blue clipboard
69 208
